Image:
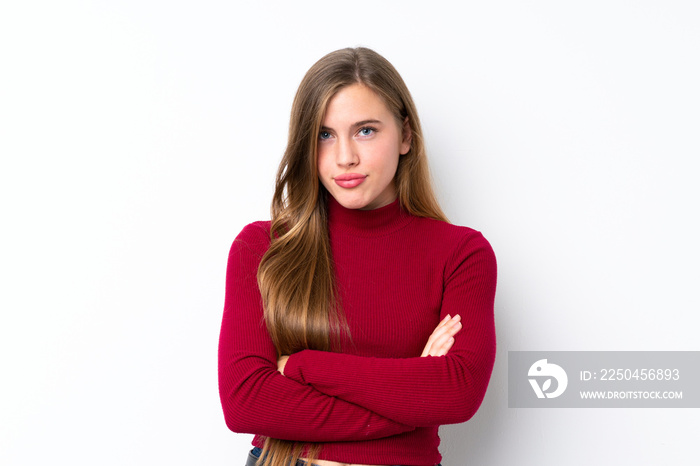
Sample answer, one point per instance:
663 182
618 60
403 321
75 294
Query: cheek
322 164
387 158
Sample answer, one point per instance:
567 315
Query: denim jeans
254 454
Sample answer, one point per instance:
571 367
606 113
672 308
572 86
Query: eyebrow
357 124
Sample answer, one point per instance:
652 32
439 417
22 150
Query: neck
373 222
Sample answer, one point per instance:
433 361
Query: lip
349 180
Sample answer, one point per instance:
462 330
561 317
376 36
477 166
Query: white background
138 138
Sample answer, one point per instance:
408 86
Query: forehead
355 103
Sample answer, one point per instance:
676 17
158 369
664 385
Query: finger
437 334
429 344
451 328
442 346
456 327
447 322
442 341
447 325
432 342
444 321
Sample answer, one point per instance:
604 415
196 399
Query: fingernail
456 317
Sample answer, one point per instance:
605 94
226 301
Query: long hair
296 276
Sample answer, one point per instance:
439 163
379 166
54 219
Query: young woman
358 320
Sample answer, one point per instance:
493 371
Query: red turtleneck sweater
378 402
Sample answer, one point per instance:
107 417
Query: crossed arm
439 342
324 396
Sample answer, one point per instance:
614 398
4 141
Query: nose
346 154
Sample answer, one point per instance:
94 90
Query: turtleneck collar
376 222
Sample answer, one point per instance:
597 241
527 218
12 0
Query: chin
355 205
350 203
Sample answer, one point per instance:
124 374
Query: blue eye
366 131
324 135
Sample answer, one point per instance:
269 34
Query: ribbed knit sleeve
422 391
255 397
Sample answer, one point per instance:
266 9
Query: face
359 146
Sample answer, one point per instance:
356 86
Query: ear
407 137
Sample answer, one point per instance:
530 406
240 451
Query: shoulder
255 231
254 238
452 237
460 246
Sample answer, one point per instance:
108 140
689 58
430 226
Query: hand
442 338
281 362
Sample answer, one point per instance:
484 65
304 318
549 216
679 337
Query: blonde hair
296 276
